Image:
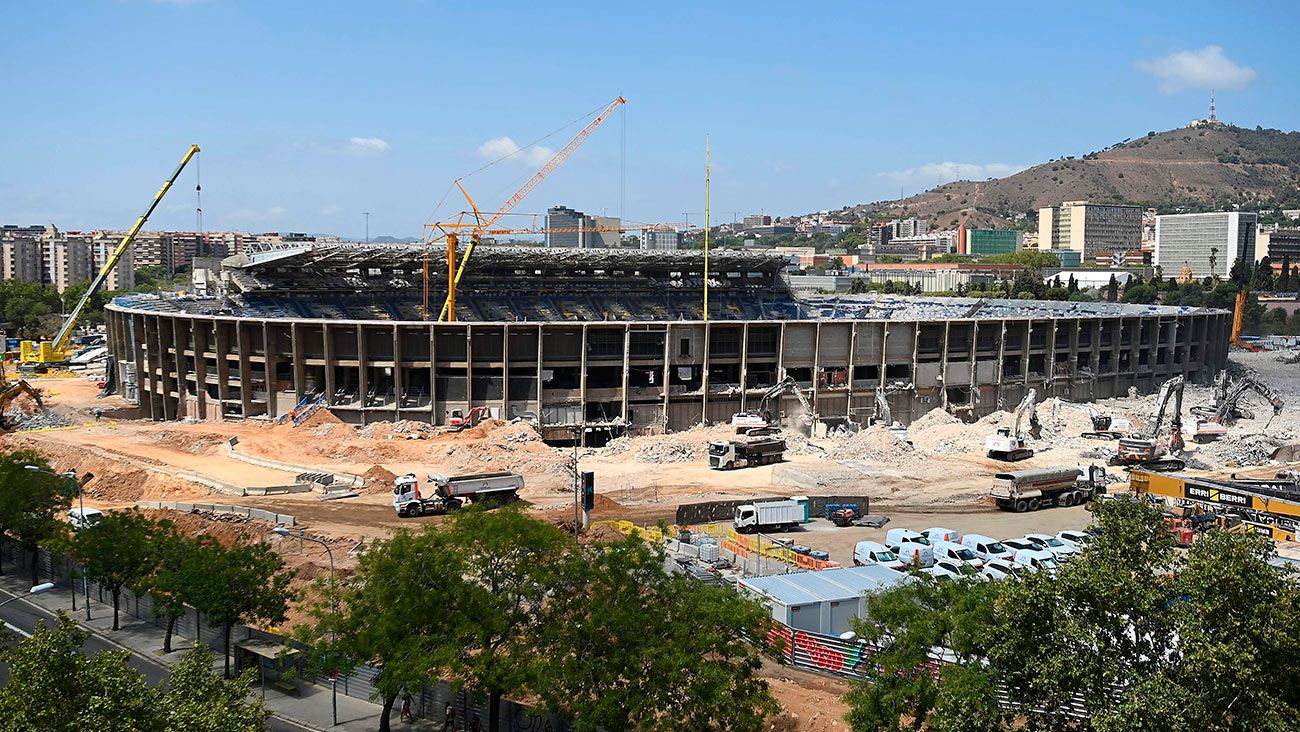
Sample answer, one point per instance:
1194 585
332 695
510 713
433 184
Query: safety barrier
729 540
221 508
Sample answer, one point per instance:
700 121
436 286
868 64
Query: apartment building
1090 228
1209 243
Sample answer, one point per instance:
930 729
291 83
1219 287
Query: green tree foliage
28 305
32 503
1033 259
54 687
1146 637
625 645
1112 289
1263 279
1144 294
94 312
198 700
240 583
118 552
167 584
1241 273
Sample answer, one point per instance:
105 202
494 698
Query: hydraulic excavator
11 390
760 421
1012 443
1226 410
1149 447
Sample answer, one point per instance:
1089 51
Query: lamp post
71 476
38 589
334 684
367 227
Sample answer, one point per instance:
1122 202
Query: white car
956 553
942 573
961 569
873 552
84 519
1035 560
1021 544
1079 539
986 548
1000 569
938 533
1058 548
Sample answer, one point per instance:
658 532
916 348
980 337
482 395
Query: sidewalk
311 709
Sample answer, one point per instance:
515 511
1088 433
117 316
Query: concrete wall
609 376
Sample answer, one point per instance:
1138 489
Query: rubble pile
401 429
1244 450
21 421
873 443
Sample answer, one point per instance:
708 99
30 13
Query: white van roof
870 546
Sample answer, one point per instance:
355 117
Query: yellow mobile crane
44 354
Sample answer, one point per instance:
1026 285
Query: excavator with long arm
749 422
1227 409
1012 443
1149 447
885 416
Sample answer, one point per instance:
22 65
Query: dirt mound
225 528
114 481
378 478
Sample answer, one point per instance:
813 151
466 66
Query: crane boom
448 312
57 350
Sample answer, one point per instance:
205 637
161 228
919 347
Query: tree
1241 272
395 613
241 583
167 585
26 305
198 700
1263 280
118 551
858 285
31 502
1144 294
54 687
509 562
1112 289
626 646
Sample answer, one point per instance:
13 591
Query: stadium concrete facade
597 344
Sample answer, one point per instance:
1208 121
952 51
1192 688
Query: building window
684 348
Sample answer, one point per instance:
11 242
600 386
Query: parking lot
839 542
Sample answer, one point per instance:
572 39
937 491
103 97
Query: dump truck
1030 490
729 454
443 493
768 516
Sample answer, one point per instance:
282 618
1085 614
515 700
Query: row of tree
54 686
505 604
34 310
1135 634
226 584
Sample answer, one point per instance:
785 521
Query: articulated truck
728 454
443 493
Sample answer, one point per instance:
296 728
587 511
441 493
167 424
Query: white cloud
368 145
1206 68
948 171
502 147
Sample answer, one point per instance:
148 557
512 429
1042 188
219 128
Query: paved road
23 616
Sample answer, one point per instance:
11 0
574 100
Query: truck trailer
443 493
729 454
768 516
1030 490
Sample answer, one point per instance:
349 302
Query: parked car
938 533
873 552
956 553
1058 548
1036 560
1000 569
912 554
1080 539
986 548
942 573
1021 544
894 537
84 518
961 569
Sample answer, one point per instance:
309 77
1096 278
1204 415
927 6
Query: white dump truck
768 516
1030 490
443 493
745 453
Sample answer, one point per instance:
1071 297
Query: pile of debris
875 443
403 429
1251 449
21 421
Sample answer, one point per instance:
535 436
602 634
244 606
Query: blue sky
310 113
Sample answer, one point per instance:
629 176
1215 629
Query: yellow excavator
42 355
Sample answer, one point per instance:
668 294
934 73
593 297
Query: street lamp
37 590
71 476
334 683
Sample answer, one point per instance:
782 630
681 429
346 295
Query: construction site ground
941 479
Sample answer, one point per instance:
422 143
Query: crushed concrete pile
873 443
939 433
402 429
1243 450
679 447
21 421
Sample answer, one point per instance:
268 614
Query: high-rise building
1208 243
908 227
22 258
1090 228
661 237
754 220
605 233
980 242
563 217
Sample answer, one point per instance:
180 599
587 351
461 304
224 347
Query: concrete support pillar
200 328
397 372
704 375
269 369
363 373
505 371
242 343
222 337
744 364
627 371
327 339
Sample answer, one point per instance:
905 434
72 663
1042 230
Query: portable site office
823 602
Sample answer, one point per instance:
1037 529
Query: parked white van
873 552
1036 559
894 537
938 533
957 553
986 548
915 555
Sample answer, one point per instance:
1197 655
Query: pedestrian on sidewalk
405 716
449 718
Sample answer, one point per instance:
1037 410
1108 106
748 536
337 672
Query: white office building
1208 243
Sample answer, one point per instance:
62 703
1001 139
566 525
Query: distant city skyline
311 114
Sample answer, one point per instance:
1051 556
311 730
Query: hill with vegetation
1210 167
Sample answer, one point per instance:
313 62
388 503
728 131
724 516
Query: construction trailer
827 601
1269 506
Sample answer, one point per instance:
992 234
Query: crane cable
198 199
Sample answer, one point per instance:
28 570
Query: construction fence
710 511
756 555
